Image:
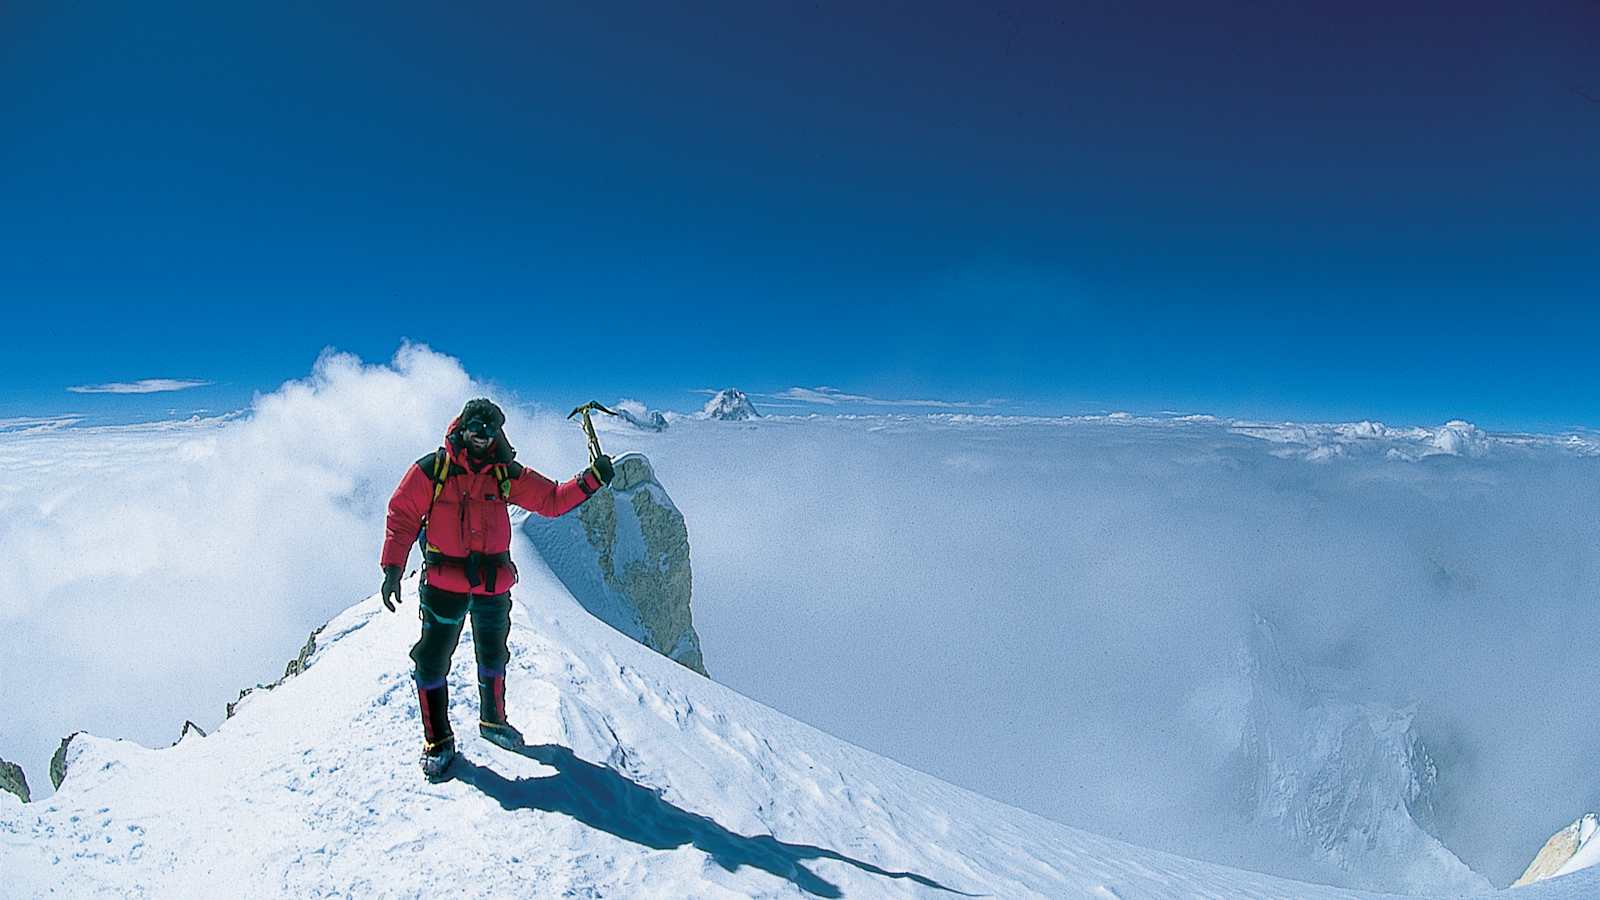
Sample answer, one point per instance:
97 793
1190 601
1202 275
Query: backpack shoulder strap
437 465
441 470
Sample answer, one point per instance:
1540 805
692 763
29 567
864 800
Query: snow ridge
640 779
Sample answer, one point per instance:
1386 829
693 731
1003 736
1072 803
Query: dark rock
189 726
295 667
298 664
12 779
625 558
58 761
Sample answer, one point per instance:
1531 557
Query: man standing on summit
454 504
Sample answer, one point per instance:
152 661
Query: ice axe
588 426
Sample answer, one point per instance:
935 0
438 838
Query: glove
603 469
391 586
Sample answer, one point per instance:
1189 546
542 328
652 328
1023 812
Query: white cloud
142 386
1328 441
888 577
38 423
828 396
153 570
1022 605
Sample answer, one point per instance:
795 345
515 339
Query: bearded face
479 436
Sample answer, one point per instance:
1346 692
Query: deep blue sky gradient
1293 210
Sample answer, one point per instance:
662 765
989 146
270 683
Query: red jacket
470 515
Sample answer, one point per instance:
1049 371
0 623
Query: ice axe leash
588 426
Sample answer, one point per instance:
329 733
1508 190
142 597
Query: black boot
492 722
439 742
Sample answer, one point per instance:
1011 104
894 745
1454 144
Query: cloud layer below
1021 605
1026 606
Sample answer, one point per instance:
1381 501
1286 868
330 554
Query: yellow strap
441 466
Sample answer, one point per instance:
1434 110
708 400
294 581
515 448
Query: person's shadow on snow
602 798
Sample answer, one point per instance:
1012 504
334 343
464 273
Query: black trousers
443 613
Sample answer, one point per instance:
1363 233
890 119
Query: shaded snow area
641 779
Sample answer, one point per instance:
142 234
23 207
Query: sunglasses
480 428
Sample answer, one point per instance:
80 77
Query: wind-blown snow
641 779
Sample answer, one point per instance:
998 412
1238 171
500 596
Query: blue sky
1369 211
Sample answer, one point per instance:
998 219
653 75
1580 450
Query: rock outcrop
1559 850
12 780
730 405
58 761
295 667
625 557
188 726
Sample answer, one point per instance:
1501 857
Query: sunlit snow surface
641 780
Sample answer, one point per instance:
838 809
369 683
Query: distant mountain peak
640 416
730 405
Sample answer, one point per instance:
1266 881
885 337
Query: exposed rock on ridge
12 780
295 667
58 761
625 557
1556 852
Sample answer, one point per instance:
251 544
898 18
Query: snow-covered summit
640 779
640 416
730 405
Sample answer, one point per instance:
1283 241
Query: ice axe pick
588 426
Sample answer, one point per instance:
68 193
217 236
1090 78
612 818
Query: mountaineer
455 503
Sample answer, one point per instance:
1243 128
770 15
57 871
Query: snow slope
641 779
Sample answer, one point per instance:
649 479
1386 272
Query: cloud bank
142 386
154 570
1024 606
823 395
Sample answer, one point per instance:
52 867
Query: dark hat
482 409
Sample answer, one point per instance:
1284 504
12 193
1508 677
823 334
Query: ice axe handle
588 426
